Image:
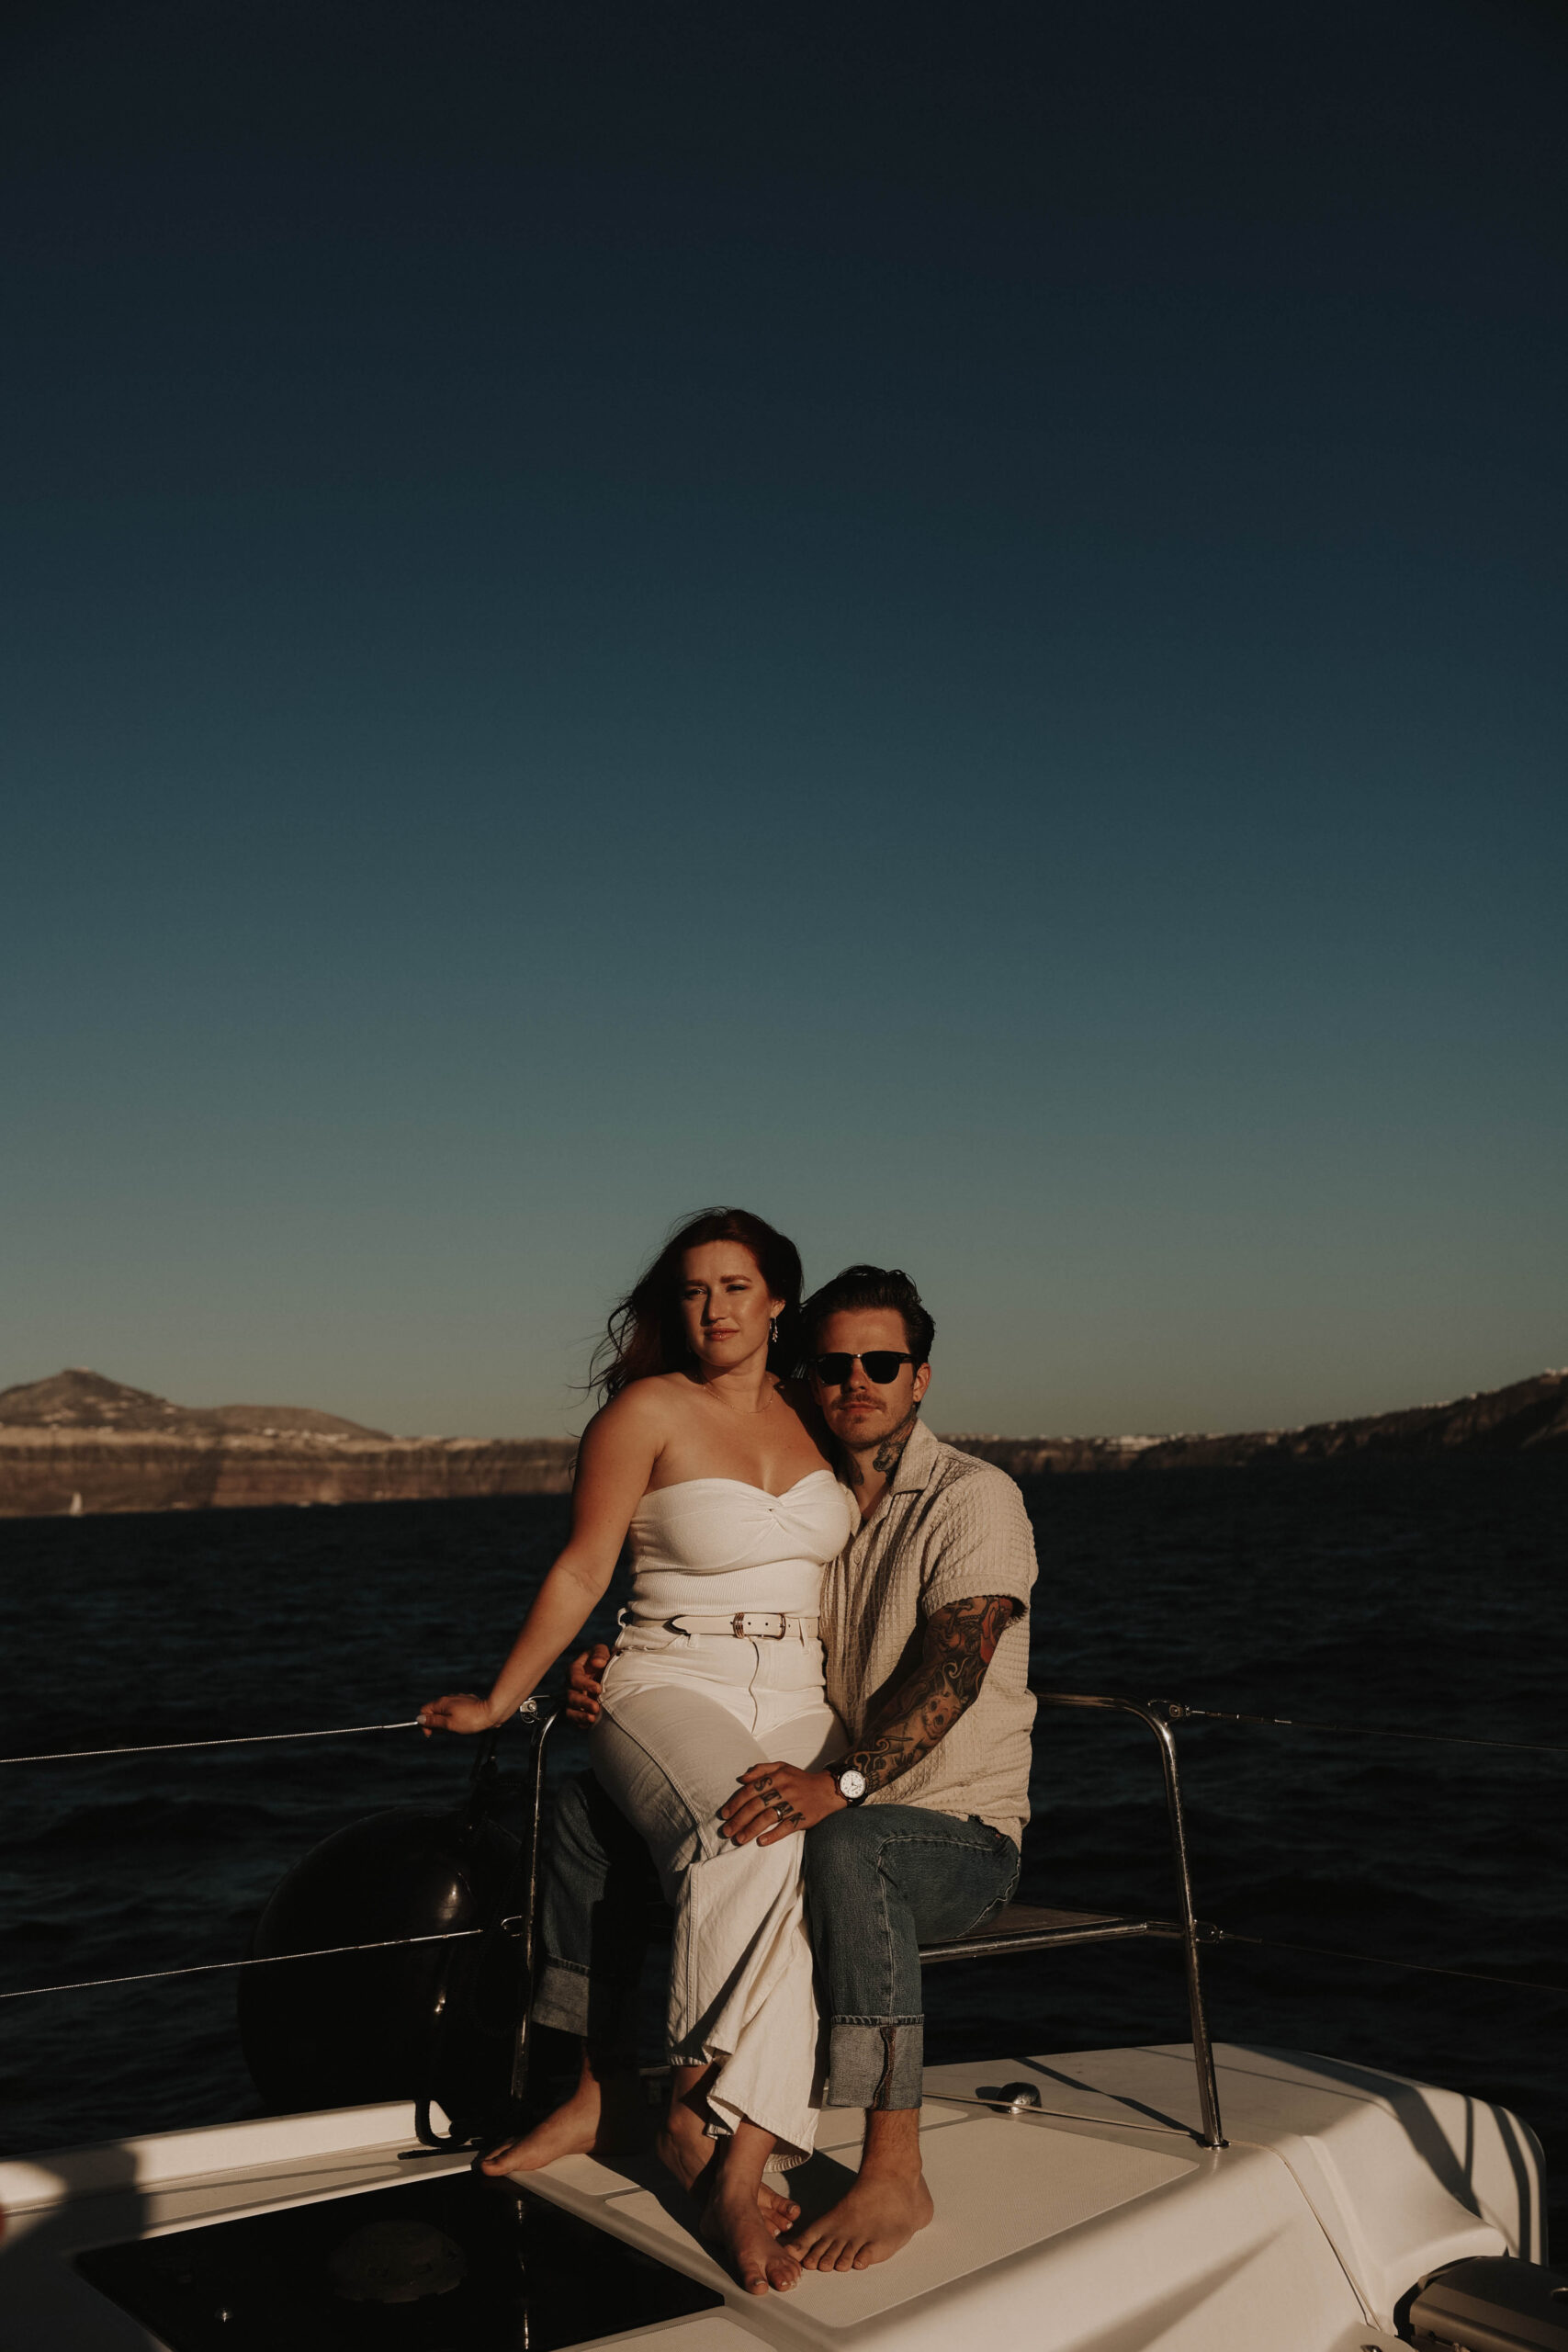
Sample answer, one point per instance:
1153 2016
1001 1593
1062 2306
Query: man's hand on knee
775 1800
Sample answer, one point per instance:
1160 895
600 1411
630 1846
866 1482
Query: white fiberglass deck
1106 2229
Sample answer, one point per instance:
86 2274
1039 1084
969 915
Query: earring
773 1330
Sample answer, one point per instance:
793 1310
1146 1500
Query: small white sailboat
1161 2198
1094 2222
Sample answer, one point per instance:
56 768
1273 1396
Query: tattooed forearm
959 1643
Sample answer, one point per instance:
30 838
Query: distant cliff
79 1443
78 1400
1531 1414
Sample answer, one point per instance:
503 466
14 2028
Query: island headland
78 1442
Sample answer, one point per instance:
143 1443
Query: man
911 1836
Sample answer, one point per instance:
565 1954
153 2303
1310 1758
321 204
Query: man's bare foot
873 2220
734 2222
600 2119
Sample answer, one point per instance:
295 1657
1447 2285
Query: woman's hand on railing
459 1710
582 1686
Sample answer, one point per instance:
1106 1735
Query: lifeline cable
168 1746
1179 1712
1382 1959
215 1967
1062 2114
460 1935
1182 1714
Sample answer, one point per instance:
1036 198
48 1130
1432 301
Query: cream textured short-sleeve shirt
949 1528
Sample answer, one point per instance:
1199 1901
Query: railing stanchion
1158 1714
542 1712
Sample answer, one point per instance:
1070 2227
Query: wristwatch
850 1784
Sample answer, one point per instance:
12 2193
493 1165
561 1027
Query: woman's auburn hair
645 1334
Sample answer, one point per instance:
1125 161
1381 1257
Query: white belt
746 1625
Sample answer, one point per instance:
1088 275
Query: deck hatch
533 2277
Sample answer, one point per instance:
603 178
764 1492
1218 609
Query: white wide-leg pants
684 1714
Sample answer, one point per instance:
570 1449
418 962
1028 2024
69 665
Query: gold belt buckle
738 1624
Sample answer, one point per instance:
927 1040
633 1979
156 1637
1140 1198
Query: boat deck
1094 2223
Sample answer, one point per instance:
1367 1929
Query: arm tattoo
959 1643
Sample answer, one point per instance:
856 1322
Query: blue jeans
597 1886
880 1881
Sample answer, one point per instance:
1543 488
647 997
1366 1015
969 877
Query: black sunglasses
879 1364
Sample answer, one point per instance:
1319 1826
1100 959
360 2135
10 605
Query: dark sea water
1424 1595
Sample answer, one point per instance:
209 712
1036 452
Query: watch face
851 1786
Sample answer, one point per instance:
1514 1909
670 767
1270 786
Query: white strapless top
709 1544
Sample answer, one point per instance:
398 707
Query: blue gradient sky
948 624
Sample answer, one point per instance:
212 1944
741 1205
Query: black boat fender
417 2021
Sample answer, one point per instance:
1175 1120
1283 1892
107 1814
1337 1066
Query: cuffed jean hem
601 2013
560 1999
876 2061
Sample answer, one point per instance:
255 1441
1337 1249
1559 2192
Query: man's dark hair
859 1286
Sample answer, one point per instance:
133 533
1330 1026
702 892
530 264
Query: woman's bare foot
869 2222
779 2212
734 2222
604 2117
685 2150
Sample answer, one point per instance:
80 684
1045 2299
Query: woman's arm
614 1463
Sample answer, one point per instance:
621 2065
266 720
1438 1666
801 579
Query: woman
717 1469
